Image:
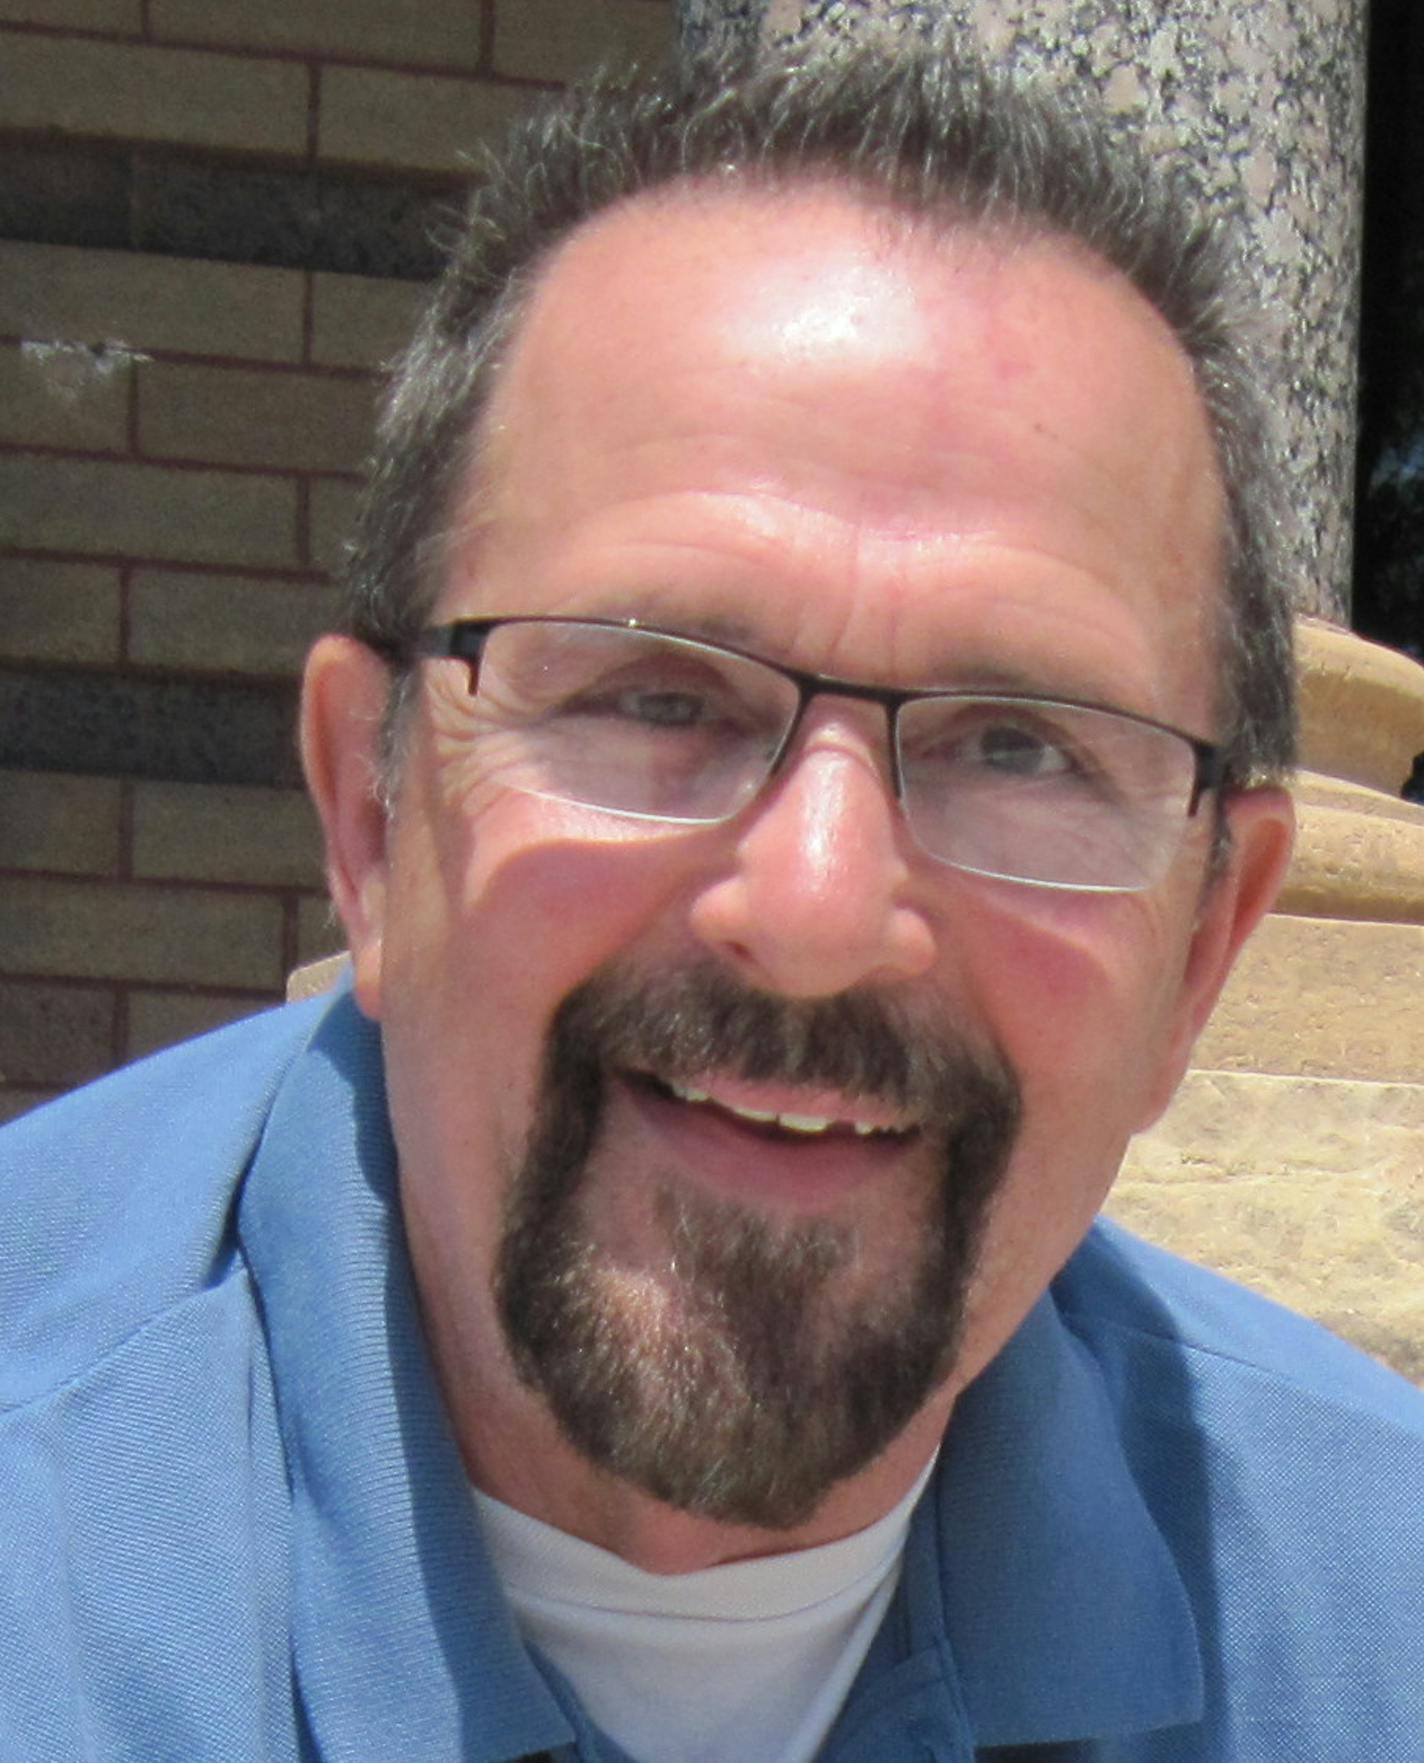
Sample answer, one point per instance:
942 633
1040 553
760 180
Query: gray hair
914 122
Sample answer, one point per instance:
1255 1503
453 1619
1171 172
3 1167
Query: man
804 765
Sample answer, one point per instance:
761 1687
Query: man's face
866 451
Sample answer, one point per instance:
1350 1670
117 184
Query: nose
819 899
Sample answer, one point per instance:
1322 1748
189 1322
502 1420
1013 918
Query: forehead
829 377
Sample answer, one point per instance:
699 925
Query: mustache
696 1019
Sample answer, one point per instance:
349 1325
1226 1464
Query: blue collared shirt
1169 1523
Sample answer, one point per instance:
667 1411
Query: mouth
752 1111
806 1149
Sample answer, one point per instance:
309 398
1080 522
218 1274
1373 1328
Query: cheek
1078 991
496 916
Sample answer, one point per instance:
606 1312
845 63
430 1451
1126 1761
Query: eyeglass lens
676 729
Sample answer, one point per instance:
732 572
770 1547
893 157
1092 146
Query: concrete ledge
1310 1190
1359 854
1323 997
315 977
1361 707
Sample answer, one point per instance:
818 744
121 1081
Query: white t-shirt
748 1660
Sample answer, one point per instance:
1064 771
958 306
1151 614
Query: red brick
55 821
51 1034
560 39
443 33
415 121
58 611
93 506
240 624
73 86
211 832
65 395
158 1018
60 292
79 15
360 322
109 930
243 416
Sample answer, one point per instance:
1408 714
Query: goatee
753 1375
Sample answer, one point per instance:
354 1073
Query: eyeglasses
614 715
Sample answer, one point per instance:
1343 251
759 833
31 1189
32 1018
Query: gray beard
775 1379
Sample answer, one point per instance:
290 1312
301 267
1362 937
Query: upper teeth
807 1123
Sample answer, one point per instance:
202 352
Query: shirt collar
1064 1610
403 1643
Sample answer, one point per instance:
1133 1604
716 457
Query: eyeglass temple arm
463 641
1212 772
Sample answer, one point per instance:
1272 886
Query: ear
344 695
1261 827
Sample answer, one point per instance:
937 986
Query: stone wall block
158 1017
120 16
119 931
1293 1156
59 822
203 832
64 293
61 612
77 86
228 623
244 416
65 395
99 508
1359 854
1311 1190
560 39
372 117
358 321
54 1034
442 33
1320 997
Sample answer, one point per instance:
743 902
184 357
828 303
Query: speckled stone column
1265 99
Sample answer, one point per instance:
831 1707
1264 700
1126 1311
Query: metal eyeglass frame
463 639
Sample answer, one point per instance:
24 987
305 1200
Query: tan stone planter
1293 1157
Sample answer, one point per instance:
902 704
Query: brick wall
213 222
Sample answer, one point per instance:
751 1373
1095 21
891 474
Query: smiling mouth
783 1125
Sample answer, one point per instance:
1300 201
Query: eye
993 741
656 703
649 706
1017 751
